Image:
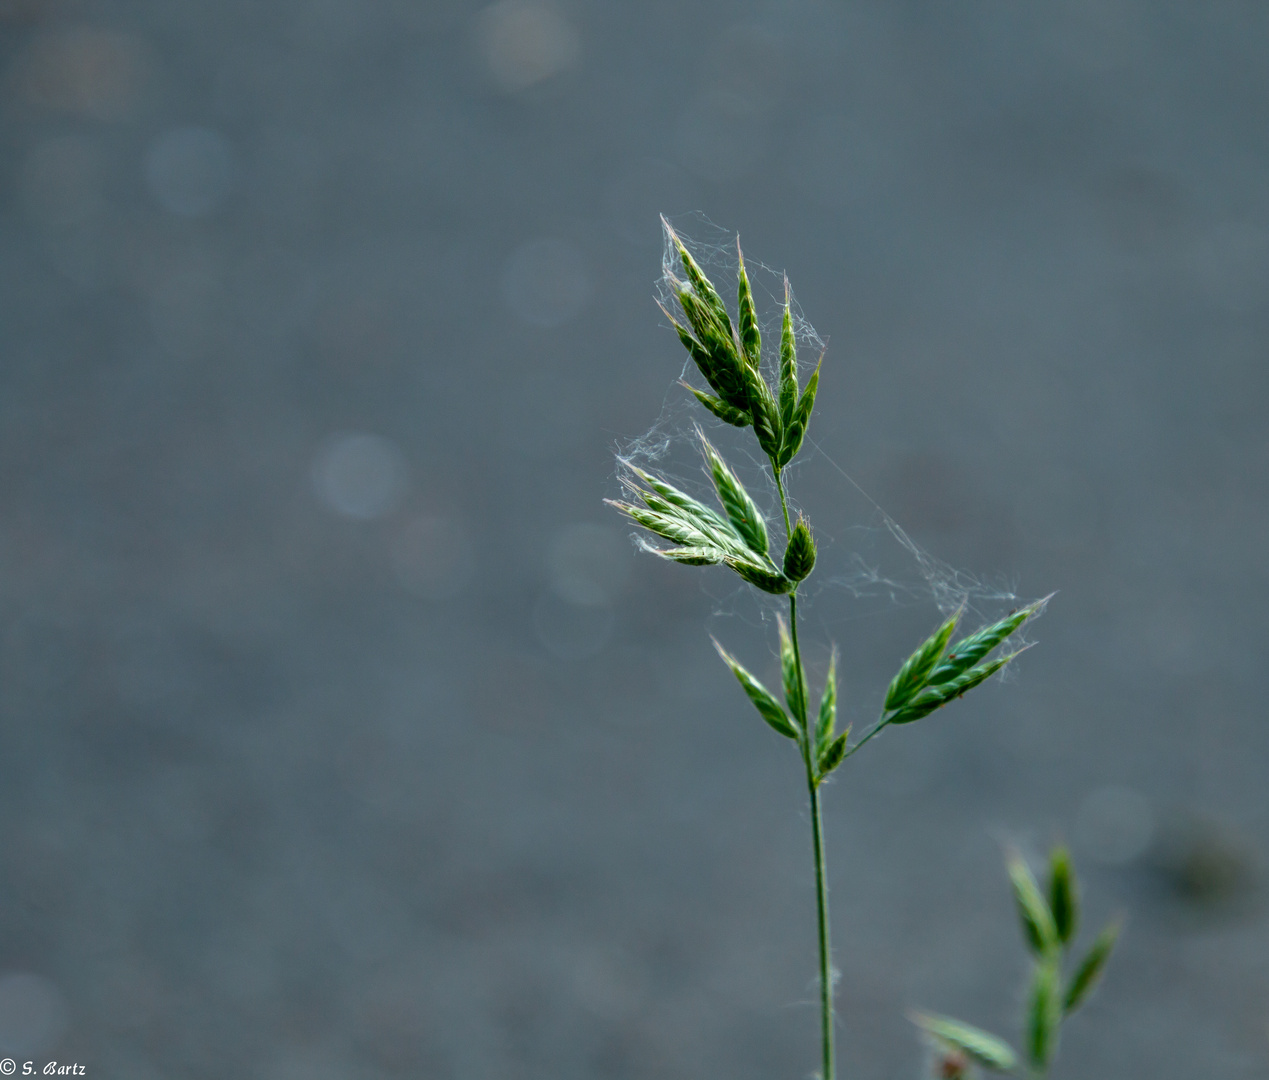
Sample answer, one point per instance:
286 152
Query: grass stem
821 896
874 730
817 829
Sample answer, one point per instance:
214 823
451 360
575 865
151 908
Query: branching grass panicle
746 390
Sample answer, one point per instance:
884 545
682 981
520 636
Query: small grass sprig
1050 920
728 355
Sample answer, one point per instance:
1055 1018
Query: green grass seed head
1090 970
827 719
788 362
750 336
700 286
764 701
799 554
980 1046
832 755
912 676
795 429
1038 927
968 651
1063 894
765 413
729 414
792 674
760 576
742 511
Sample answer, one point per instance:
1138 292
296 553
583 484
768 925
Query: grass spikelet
935 697
765 414
750 336
664 525
741 510
701 287
727 413
965 653
1063 894
768 708
795 429
799 554
1089 972
688 556
761 577
1037 920
980 1046
793 675
788 363
720 369
916 669
827 720
708 518
832 755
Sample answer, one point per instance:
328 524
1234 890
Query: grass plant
750 390
1050 920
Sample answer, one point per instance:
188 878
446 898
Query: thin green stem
809 751
784 503
821 896
875 730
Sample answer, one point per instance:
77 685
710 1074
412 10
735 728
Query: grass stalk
823 920
826 952
728 355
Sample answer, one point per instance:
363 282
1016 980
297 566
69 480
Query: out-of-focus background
343 732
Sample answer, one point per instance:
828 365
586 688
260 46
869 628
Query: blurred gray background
343 733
